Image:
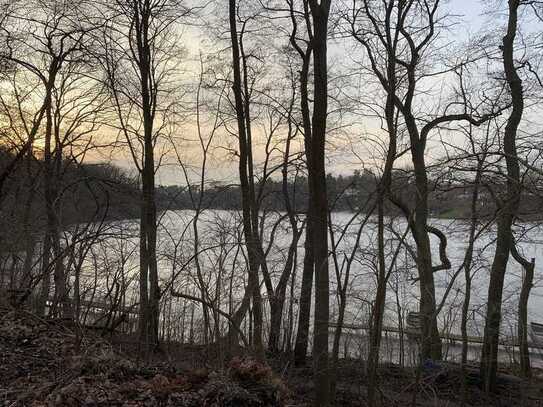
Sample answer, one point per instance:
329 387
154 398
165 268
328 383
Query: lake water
222 259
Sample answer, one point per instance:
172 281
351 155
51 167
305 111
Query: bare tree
301 41
140 45
508 210
250 218
59 37
392 31
319 199
312 42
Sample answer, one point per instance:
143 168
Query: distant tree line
87 193
448 198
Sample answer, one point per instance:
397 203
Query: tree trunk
248 217
290 329
319 201
507 213
201 282
430 340
527 284
143 281
276 314
468 260
376 326
277 301
149 288
148 268
45 275
383 191
277 297
51 191
304 312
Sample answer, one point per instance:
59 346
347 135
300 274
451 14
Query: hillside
49 363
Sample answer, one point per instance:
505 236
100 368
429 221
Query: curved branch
216 309
445 262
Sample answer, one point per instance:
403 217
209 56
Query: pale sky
469 21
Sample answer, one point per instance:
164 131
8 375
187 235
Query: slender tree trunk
376 326
383 191
400 327
507 213
201 282
319 201
277 301
151 228
249 233
527 284
143 281
45 274
489 357
304 312
336 342
276 315
464 333
430 339
258 258
468 260
290 329
30 242
278 296
51 192
149 287
65 308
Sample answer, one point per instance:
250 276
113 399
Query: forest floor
48 364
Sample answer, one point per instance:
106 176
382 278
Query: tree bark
383 191
319 201
248 217
149 288
304 312
467 265
430 339
507 213
527 284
